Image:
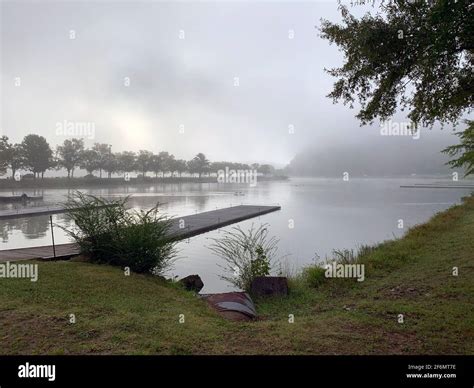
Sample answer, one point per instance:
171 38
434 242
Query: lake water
326 214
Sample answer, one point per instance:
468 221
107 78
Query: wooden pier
435 187
35 211
439 185
181 228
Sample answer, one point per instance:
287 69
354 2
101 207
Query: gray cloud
177 82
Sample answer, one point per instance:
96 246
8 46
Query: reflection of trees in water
31 228
6 229
37 193
199 202
38 227
197 198
35 227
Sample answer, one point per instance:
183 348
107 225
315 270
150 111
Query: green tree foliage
167 160
179 165
103 152
90 161
247 254
109 232
266 169
144 162
70 155
414 54
34 154
163 162
126 161
111 164
16 158
4 149
199 164
38 156
156 164
465 150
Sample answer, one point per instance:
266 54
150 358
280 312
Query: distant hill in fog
381 156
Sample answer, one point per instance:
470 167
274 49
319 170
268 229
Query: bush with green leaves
248 254
108 232
313 275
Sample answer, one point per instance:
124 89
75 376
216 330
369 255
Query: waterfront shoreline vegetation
33 157
84 182
140 314
108 232
246 254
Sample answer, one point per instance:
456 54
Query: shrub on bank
313 275
107 232
248 254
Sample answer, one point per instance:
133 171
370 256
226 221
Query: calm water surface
325 214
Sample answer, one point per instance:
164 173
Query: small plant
345 256
313 275
108 232
248 254
260 266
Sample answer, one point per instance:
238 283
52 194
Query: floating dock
36 211
181 229
19 198
436 186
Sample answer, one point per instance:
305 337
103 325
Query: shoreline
411 277
78 183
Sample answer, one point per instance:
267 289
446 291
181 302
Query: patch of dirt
387 341
28 333
403 292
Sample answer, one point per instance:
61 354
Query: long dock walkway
34 211
181 228
439 185
435 187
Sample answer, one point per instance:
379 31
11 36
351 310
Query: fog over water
237 81
246 81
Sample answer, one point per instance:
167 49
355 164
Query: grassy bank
140 314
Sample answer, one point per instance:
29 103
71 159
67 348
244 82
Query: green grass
139 314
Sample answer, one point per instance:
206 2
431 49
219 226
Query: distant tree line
35 155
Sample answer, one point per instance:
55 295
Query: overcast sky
176 82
